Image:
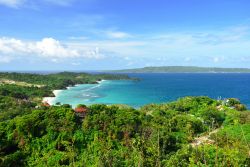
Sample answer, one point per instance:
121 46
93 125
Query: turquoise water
159 88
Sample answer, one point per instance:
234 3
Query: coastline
50 100
99 82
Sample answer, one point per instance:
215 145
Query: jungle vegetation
168 134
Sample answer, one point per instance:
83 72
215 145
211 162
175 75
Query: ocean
159 88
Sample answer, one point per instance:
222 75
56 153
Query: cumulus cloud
190 48
50 47
12 3
46 48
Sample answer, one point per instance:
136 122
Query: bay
159 88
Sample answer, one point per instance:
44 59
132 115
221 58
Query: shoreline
50 100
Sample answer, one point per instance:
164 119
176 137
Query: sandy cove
50 100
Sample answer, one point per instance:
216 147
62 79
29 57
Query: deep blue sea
160 88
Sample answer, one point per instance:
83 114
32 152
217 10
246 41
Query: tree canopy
119 135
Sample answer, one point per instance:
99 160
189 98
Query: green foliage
212 117
155 135
116 135
232 101
245 117
207 155
11 107
234 136
60 80
235 103
193 104
24 92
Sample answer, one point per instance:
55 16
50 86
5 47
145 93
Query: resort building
81 111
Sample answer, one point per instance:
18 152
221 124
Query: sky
122 34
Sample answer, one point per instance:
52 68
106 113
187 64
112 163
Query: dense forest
58 80
192 131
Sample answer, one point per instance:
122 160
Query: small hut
81 111
46 104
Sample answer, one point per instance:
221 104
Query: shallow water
158 88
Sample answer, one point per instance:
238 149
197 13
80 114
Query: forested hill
192 131
57 80
184 69
155 135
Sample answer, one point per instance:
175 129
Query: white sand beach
50 100
101 81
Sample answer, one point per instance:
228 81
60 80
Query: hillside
192 131
155 135
183 69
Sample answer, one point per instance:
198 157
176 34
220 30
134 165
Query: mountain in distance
183 69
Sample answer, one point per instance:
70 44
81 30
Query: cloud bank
228 47
48 48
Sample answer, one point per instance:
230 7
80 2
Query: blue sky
113 34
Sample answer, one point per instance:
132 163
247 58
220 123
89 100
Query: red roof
46 104
81 109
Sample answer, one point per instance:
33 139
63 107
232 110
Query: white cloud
78 38
216 59
55 60
117 34
12 3
188 59
225 47
126 48
19 3
47 48
50 47
11 45
76 64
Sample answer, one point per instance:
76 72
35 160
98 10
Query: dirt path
204 139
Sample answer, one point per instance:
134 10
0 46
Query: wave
96 86
90 95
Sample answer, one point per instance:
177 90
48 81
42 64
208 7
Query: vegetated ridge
192 131
183 69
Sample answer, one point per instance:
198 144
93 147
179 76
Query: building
46 104
81 111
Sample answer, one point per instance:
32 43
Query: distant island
183 69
